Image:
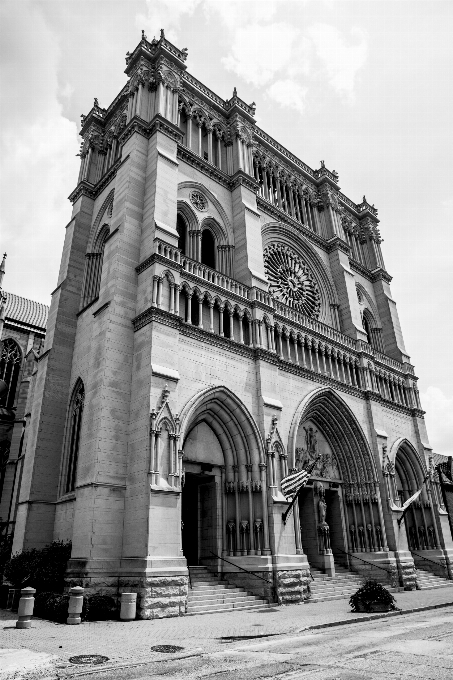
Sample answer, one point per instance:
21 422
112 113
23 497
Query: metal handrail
247 571
389 571
438 564
241 568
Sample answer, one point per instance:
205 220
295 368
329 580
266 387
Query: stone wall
162 596
293 586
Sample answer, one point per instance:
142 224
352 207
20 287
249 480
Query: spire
2 297
2 270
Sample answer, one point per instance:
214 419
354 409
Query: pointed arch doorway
340 511
224 497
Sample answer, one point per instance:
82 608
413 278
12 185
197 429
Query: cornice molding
360 269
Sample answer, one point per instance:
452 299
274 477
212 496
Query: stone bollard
26 605
128 606
75 606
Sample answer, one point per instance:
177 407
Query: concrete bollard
26 605
75 606
128 606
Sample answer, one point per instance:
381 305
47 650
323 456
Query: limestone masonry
222 316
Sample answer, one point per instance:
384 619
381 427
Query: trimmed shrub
372 592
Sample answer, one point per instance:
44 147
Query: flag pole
290 507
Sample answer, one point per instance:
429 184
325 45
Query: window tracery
10 364
73 437
291 281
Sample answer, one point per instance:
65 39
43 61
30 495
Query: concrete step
224 598
261 605
222 606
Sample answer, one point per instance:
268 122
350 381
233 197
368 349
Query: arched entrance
224 501
419 519
340 510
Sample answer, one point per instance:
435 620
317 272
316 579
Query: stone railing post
75 606
26 605
128 606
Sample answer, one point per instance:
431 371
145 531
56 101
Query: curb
198 651
384 615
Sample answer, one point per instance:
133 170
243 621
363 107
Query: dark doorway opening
335 521
198 516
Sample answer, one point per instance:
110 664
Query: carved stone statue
311 441
322 506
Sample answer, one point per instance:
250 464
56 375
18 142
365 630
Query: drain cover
168 649
87 659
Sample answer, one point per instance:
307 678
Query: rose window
198 200
291 281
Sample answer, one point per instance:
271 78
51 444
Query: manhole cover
87 659
168 649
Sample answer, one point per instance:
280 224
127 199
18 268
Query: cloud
339 58
37 152
288 93
262 50
259 52
439 419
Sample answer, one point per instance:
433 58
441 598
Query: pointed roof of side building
23 311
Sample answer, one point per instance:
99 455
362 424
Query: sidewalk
129 643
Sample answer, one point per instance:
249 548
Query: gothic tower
222 315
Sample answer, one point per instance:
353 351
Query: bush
21 568
371 592
54 607
42 569
100 608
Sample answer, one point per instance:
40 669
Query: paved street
280 643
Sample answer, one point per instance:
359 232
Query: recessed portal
198 517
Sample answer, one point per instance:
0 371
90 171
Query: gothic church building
222 315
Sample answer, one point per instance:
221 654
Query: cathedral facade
222 316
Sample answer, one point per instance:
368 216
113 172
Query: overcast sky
365 86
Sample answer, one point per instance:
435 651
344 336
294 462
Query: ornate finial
235 92
162 34
165 395
96 102
144 35
323 165
364 199
82 118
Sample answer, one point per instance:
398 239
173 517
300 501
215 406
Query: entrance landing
210 595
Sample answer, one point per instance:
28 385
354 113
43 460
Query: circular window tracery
198 200
291 281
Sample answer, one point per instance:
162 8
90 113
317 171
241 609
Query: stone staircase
209 595
338 587
427 580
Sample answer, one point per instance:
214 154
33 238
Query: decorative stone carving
291 281
198 200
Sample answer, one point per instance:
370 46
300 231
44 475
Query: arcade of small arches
235 322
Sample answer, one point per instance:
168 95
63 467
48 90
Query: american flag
293 482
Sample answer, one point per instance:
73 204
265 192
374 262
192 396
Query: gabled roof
21 310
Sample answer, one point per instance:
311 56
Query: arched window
93 268
367 329
10 364
208 249
73 435
181 228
